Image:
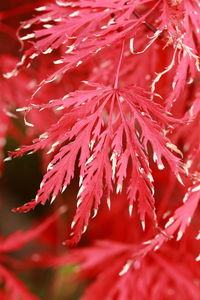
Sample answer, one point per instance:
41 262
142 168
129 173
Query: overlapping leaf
81 29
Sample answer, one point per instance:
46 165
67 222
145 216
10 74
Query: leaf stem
119 65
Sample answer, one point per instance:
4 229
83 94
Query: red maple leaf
109 131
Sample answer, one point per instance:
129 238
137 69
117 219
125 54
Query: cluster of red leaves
112 91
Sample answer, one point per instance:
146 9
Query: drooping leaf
110 132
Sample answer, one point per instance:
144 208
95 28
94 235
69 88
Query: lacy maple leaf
114 276
109 131
81 29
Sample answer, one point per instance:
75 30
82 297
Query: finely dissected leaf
183 215
83 28
179 24
177 223
116 271
110 132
